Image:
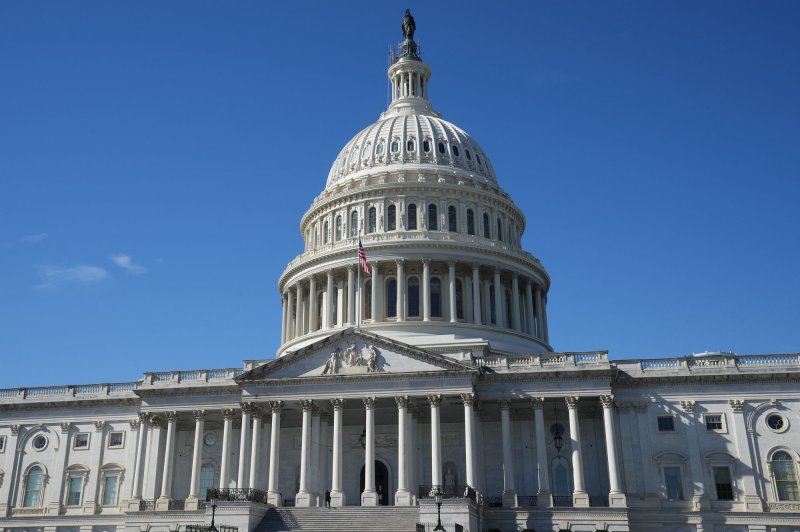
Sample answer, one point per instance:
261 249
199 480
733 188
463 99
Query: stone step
349 518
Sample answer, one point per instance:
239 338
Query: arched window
432 218
391 218
436 297
373 220
470 222
486 229
452 220
207 480
354 223
784 470
413 296
339 227
441 147
110 475
412 217
367 300
499 230
325 231
391 298
33 487
459 300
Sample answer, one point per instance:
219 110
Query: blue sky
156 157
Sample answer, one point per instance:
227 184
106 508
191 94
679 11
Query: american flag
362 259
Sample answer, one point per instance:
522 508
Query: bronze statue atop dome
409 26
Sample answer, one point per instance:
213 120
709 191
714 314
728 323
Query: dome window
426 146
372 220
365 152
452 219
354 155
412 217
410 145
455 151
470 222
441 147
379 148
468 154
391 218
478 157
395 146
433 218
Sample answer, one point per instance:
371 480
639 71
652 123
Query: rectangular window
81 440
714 422
110 491
723 483
74 493
673 483
2 444
116 440
666 424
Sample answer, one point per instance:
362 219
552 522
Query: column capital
434 400
351 268
248 408
316 410
572 401
505 404
99 426
688 406
338 403
143 417
134 424
399 262
537 402
426 262
607 401
514 275
475 266
199 414
737 405
468 399
402 401
171 417
451 264
68 425
153 421
228 413
275 406
369 403
307 405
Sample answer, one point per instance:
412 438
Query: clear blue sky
156 157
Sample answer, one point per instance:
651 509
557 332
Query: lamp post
212 528
438 498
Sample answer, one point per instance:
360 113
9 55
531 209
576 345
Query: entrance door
381 482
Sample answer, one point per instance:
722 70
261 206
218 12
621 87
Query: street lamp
212 528
558 440
437 495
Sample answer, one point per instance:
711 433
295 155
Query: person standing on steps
327 499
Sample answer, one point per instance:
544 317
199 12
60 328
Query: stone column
451 279
340 308
413 465
303 498
225 466
329 301
509 490
193 501
616 497
323 483
313 461
298 322
152 457
337 494
369 497
539 329
545 333
169 461
401 291
313 311
580 499
351 297
498 299
289 316
468 399
529 309
436 441
283 318
697 491
426 290
515 318
752 502
377 309
255 451
476 294
138 471
274 496
244 438
543 497
403 495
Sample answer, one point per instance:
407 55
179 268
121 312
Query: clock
210 439
775 422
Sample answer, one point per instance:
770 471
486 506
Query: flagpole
358 285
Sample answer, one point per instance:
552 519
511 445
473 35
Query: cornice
38 405
189 391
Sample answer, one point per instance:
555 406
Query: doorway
381 482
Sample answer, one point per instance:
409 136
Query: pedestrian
327 499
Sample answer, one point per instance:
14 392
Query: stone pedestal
162 504
753 503
544 499
617 500
403 498
338 499
192 503
509 499
304 499
369 498
580 499
133 504
274 498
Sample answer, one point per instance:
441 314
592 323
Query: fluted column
351 297
543 497
545 333
313 311
498 299
274 496
476 294
138 472
337 494
468 399
509 490
451 280
255 454
192 502
244 439
539 328
289 316
298 323
616 498
529 317
169 461
284 302
329 301
515 319
313 461
426 290
303 498
225 466
579 497
377 308
403 495
401 291
369 497
436 441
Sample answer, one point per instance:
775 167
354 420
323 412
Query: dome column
529 308
313 313
329 301
539 327
401 291
289 314
515 318
498 299
476 294
426 290
351 298
451 279
377 309
545 334
283 318
298 321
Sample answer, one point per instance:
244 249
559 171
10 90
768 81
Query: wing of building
415 382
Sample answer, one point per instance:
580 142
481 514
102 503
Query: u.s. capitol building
423 371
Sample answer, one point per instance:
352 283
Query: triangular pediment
354 352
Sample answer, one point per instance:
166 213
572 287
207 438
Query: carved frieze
688 406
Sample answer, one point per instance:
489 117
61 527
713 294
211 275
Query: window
74 489
413 297
33 488
468 154
441 147
499 230
486 229
391 218
714 422
478 157
110 490
470 222
368 300
2 444
116 440
339 227
207 480
354 155
436 297
426 145
455 150
391 298
433 224
373 217
325 230
395 146
81 441
723 483
673 484
410 145
354 223
777 423
380 148
452 219
412 217
40 442
365 152
459 300
784 471
666 424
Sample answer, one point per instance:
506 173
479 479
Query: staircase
344 519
